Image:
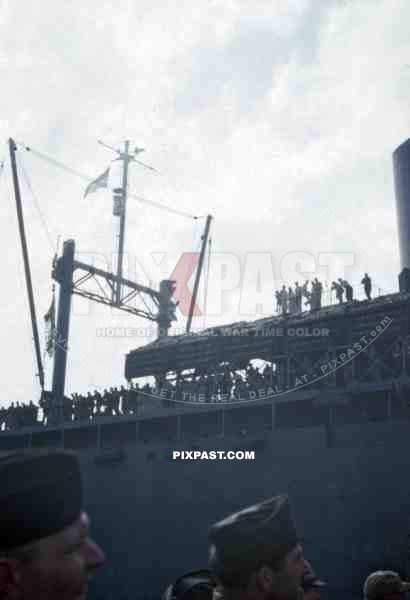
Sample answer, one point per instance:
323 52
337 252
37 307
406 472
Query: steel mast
198 272
73 277
27 271
121 210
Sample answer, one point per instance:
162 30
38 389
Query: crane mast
26 262
73 277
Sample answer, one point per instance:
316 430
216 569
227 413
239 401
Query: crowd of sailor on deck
135 399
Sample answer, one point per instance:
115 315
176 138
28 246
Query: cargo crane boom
26 261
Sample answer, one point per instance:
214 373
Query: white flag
100 182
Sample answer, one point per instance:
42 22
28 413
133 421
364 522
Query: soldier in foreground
197 585
46 552
255 553
385 585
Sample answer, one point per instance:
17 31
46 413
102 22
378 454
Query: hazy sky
265 114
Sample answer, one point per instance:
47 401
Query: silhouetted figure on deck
89 401
251 375
291 301
283 295
306 294
45 405
267 374
98 401
3 417
298 297
124 401
316 294
116 400
109 402
338 288
348 289
367 283
319 286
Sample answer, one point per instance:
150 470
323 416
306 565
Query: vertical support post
126 159
273 415
64 276
222 423
198 272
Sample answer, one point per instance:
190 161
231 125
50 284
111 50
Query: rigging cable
36 204
89 179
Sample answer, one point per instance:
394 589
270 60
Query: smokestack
401 166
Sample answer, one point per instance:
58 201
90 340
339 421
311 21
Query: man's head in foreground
385 585
45 549
197 585
312 586
255 553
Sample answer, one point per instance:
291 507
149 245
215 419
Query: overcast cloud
264 114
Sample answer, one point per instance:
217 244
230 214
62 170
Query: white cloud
244 106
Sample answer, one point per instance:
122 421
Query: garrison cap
381 584
260 534
196 583
40 494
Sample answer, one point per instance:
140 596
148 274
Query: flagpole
126 159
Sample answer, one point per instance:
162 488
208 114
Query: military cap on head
40 494
380 584
191 582
263 533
